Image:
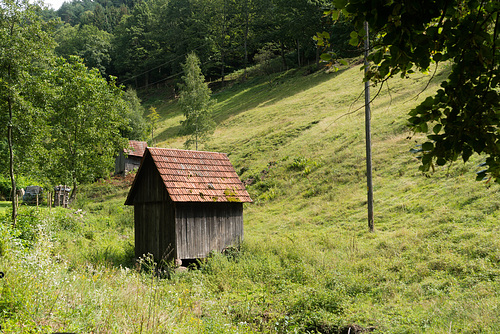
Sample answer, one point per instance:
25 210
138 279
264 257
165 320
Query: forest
143 43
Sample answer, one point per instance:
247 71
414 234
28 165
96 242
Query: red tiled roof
196 176
136 148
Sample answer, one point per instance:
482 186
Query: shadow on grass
258 91
265 91
168 133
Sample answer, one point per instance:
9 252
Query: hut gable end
148 185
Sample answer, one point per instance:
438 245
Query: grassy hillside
308 262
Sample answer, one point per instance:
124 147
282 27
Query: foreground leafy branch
463 117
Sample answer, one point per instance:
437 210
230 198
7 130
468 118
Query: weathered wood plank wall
154 217
204 227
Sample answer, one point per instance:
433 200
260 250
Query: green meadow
4 206
308 263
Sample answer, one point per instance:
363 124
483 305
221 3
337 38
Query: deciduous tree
195 102
136 127
85 124
153 117
25 49
87 42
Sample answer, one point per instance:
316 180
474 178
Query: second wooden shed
186 204
130 158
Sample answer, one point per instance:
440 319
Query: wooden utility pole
368 137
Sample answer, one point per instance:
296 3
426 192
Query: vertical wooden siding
155 230
120 163
154 216
204 227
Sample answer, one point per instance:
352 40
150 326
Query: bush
27 225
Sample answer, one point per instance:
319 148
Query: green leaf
466 153
429 102
437 128
377 57
335 15
354 41
428 146
340 4
437 57
423 127
441 161
326 57
481 175
344 62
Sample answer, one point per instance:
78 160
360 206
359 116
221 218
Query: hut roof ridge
196 176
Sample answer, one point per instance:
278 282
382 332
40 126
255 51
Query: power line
165 79
161 80
168 62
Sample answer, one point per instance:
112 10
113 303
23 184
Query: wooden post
368 137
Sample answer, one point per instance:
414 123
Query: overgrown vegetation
308 263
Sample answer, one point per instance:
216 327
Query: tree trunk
298 53
73 192
11 164
282 46
222 66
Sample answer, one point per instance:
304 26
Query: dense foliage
24 51
85 120
144 43
61 121
464 115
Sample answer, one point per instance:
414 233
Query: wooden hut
186 204
130 158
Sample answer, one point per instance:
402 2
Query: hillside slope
300 138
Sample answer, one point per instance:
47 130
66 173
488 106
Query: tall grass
308 263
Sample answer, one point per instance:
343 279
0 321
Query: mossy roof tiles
197 176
